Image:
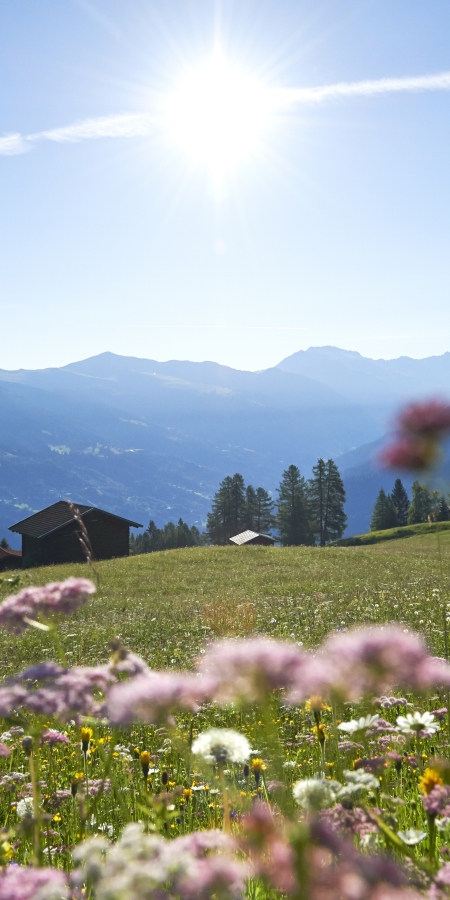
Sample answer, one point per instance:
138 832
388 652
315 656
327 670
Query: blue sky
335 231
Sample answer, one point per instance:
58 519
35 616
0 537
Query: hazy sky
331 226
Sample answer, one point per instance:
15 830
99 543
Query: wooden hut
252 537
53 534
10 559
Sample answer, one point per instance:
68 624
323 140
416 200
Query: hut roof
56 516
246 536
6 552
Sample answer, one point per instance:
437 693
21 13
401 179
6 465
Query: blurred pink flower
420 428
25 883
249 669
374 660
57 597
153 697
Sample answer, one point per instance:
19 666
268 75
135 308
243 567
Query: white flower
222 745
289 764
412 836
358 724
357 781
315 793
414 723
25 807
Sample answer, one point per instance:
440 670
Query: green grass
166 605
391 534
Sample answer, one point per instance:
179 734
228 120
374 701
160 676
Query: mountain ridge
149 439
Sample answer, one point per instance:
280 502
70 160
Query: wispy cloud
128 125
293 96
123 125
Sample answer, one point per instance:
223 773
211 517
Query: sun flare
218 114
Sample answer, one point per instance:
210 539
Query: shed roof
7 552
56 516
246 536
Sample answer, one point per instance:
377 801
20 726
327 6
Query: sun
217 115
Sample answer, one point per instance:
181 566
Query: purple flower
97 784
4 750
24 883
375 765
249 669
437 803
353 821
53 737
440 713
419 429
152 697
57 597
443 876
346 746
48 690
213 876
371 660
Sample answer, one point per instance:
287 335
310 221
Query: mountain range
149 439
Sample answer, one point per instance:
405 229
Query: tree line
395 509
171 537
306 512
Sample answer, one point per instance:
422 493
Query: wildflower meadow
219 723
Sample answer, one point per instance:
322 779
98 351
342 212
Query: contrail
137 124
293 96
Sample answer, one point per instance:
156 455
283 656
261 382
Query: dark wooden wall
109 538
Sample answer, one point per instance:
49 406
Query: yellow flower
145 762
429 780
86 737
187 793
320 733
316 704
57 818
257 764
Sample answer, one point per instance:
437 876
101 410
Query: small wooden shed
252 537
53 534
10 559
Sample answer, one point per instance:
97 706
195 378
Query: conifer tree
421 504
401 502
443 510
4 544
264 517
384 514
250 508
293 511
326 499
228 515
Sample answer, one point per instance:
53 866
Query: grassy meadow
165 606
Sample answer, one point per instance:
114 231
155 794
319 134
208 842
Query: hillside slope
166 605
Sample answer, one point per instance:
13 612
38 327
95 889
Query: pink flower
420 429
249 669
412 454
25 883
153 697
58 597
373 660
53 737
437 803
4 750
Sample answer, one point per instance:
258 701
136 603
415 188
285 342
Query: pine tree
421 504
443 510
401 502
228 514
384 514
250 508
264 518
326 499
293 511
4 544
